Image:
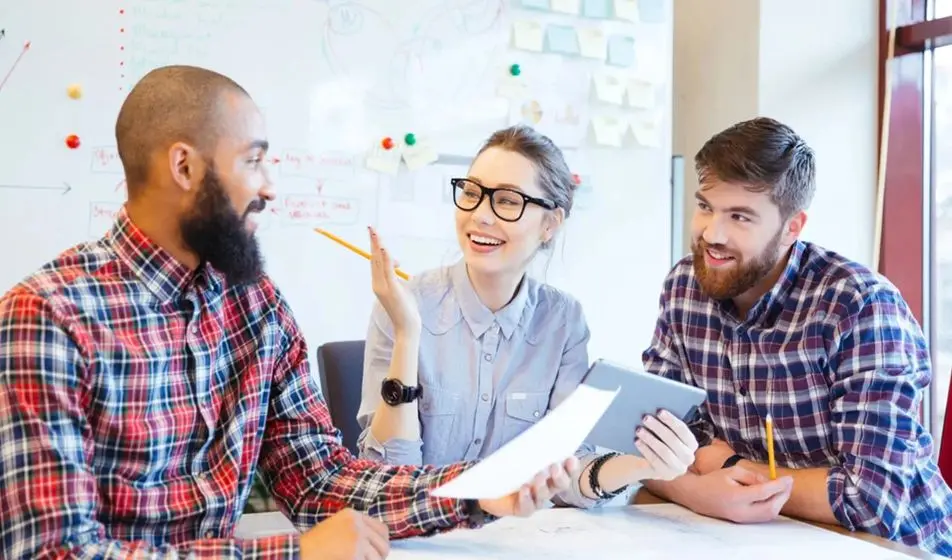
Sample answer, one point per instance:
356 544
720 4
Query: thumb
743 476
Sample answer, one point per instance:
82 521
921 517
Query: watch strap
475 516
731 461
593 471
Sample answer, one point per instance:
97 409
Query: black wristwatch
593 478
731 461
475 516
394 392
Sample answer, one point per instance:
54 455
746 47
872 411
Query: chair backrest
341 369
945 445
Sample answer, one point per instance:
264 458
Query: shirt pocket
438 411
522 411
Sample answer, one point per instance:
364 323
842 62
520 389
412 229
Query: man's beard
217 234
735 279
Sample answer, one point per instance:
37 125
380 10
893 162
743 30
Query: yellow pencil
771 461
355 249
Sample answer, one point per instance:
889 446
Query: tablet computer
639 393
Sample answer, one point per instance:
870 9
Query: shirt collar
479 317
162 274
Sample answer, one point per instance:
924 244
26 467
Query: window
916 251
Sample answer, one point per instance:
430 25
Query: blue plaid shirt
833 353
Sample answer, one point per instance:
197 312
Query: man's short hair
763 155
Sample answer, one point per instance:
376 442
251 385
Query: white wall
736 59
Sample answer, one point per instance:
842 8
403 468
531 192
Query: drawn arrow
65 188
3 33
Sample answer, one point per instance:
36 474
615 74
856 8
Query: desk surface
645 497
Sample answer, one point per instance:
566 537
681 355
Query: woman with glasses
462 359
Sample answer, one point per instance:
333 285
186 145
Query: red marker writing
26 47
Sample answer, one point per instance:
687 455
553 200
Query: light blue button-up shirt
486 377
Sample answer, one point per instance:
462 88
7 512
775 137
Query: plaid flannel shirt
137 398
837 359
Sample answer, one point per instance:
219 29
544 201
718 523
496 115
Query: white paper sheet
649 532
553 439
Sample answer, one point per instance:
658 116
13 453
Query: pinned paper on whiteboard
627 9
609 88
592 43
647 131
528 35
609 130
384 160
570 7
641 94
420 154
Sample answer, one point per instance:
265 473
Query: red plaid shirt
137 398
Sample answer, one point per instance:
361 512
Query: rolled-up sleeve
884 480
572 370
377 353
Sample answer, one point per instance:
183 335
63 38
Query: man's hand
347 535
710 458
532 496
739 495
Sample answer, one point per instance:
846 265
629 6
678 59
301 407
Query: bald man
146 377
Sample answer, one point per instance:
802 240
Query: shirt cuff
394 452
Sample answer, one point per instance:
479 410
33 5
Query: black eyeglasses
507 204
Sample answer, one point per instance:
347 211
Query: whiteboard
333 78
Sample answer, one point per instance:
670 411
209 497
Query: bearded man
775 327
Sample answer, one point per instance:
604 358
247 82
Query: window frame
907 250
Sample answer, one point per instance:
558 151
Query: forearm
809 498
275 547
401 421
678 491
617 472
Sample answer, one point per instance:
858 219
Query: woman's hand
391 291
667 445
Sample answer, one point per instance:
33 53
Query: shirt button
209 534
485 397
536 414
477 441
743 390
194 330
488 357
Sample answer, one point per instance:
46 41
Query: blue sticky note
534 4
596 9
651 11
621 50
561 39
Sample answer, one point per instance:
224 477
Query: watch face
392 391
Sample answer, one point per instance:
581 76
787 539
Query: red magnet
576 178
72 141
387 143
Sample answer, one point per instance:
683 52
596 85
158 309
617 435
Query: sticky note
647 132
384 161
528 35
609 88
535 4
641 94
609 131
561 39
652 11
592 42
627 9
621 50
570 7
596 9
419 155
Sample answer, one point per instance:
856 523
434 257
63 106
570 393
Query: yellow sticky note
384 161
609 131
419 155
641 94
566 6
627 9
609 88
647 132
528 35
592 42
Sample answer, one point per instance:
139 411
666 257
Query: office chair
341 368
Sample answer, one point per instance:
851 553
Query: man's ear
185 165
794 229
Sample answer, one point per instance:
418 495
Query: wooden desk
643 496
